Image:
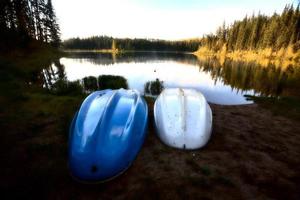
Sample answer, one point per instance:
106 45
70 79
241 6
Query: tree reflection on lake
222 82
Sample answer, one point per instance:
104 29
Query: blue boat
106 134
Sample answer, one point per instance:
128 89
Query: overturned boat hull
106 134
183 118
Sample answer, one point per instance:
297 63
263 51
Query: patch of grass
198 181
90 83
153 87
224 180
112 82
67 88
55 113
206 170
284 106
35 120
190 162
103 82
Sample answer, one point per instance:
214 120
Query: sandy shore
252 155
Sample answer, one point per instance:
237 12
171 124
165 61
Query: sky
159 19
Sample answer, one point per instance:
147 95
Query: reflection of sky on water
174 74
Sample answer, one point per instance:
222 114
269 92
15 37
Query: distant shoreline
283 57
121 51
91 50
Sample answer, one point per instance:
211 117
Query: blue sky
163 19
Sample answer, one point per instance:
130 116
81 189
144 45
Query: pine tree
241 36
22 19
270 34
37 6
277 31
254 36
51 26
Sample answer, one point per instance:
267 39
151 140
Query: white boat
183 118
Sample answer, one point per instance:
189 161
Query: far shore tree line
25 21
105 42
275 32
258 32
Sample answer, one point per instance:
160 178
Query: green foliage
104 42
275 32
52 28
90 83
22 21
224 180
63 87
206 170
112 82
154 87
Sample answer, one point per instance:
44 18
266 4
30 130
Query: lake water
221 83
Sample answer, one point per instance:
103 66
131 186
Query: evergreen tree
51 27
37 9
275 32
270 34
22 21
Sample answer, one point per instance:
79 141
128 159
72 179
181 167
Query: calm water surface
221 83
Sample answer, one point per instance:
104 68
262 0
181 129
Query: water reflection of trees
94 58
266 80
54 79
133 57
270 80
53 73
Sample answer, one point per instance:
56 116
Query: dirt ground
252 154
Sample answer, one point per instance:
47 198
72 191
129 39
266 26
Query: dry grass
282 58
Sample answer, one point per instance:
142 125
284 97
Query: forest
258 32
105 42
275 32
25 21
